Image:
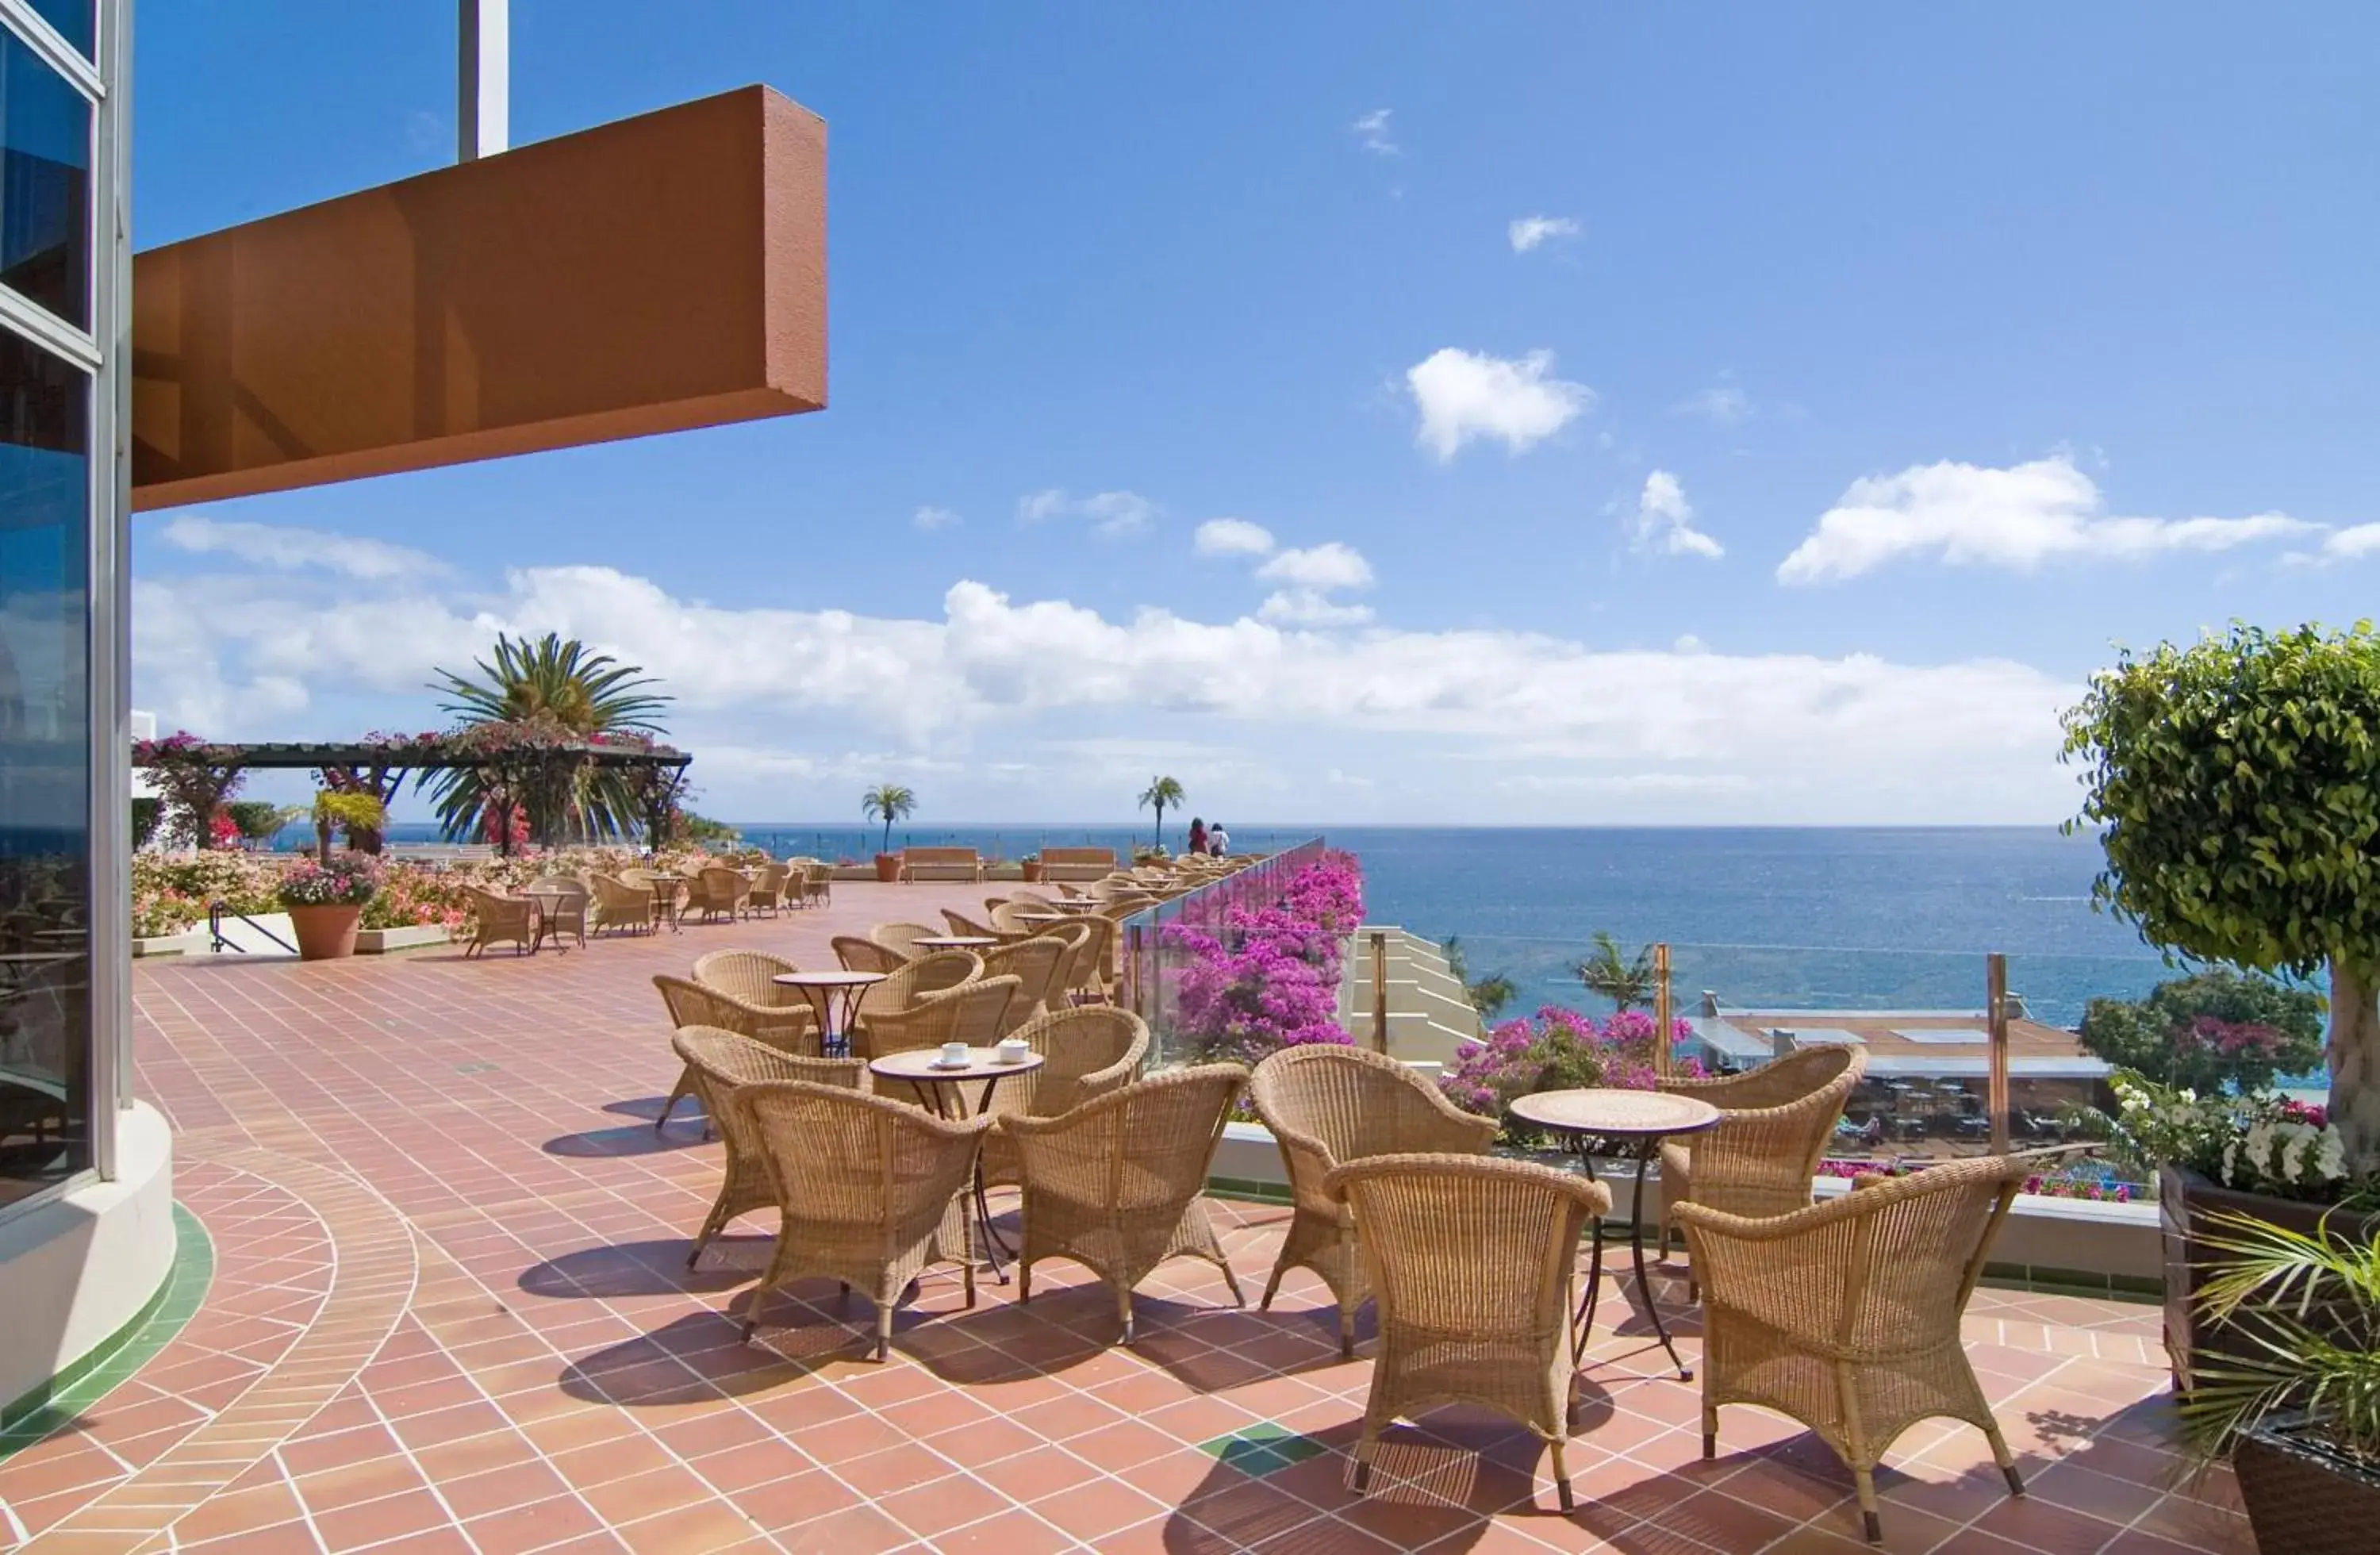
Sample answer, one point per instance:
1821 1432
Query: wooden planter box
2302 1498
2186 1202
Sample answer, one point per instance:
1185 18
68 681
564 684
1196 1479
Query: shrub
1265 978
2216 1032
2266 1142
1561 1049
348 881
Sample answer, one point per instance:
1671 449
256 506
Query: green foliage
2236 784
703 832
350 812
146 813
2310 1306
2211 1032
194 779
1488 995
1162 794
1611 971
888 802
259 819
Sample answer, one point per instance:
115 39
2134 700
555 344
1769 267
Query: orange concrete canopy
661 272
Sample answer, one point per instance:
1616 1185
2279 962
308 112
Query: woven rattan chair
669 889
768 893
1328 1106
1094 971
817 884
1007 919
927 974
749 976
961 924
720 1062
1084 1053
621 904
902 938
1470 1258
1775 1123
720 891
1845 1315
789 1029
855 955
974 1013
565 909
1034 963
497 920
1115 1183
1076 938
869 1190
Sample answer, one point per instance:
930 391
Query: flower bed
1560 1050
1267 977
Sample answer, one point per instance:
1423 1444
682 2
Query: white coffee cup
1015 1049
954 1054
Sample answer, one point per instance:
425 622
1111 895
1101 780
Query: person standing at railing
1197 835
1219 842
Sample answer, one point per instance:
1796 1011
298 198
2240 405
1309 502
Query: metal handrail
217 912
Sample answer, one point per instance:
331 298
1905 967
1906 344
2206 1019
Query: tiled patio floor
451 1311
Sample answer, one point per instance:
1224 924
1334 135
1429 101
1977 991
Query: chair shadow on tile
687 1129
634 1269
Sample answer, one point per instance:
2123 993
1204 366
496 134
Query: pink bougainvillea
1559 1050
1259 976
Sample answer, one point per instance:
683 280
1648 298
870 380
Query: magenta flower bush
1256 979
1559 1050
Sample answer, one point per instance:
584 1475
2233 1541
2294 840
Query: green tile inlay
1260 1450
60 1400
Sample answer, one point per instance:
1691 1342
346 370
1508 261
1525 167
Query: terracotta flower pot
325 933
1032 868
888 867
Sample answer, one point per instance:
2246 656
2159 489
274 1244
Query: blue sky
1859 377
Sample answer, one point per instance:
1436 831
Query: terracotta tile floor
451 1311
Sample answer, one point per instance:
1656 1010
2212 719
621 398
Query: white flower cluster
2286 1151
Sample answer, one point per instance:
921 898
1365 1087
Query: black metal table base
995 1248
1582 1323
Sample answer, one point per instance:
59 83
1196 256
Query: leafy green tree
260 820
2236 786
2212 1032
1611 971
1163 794
533 697
888 802
1488 995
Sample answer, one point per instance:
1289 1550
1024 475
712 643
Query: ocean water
1797 918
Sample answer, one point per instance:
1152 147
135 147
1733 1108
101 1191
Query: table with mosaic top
1625 1124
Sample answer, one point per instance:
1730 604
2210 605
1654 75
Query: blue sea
1801 918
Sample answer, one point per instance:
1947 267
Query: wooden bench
1078 863
941 864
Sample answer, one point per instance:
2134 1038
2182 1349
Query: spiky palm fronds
888 802
2310 1306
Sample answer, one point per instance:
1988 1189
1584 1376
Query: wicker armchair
1007 919
1076 938
1846 1315
1034 963
567 913
973 1013
721 1062
961 924
748 976
1094 971
720 891
789 1029
1774 1127
817 884
768 893
927 974
1084 1053
1328 1106
1115 1183
621 904
902 938
500 919
855 955
1471 1258
669 889
867 1189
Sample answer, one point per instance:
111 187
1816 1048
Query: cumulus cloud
2018 517
2349 544
289 549
1527 232
1372 130
1109 513
1665 523
1462 395
1232 537
1310 607
932 517
1326 566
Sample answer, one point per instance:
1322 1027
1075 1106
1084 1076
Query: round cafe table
833 996
942 1083
956 942
1624 1124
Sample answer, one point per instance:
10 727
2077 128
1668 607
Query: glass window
71 18
44 183
45 1014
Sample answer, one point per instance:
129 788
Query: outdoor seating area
524 1307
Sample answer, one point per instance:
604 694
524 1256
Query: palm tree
1611 972
551 688
1488 995
889 802
1162 792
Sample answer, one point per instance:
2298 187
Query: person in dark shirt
1197 835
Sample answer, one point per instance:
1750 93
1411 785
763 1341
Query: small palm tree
1626 980
1490 994
888 802
1161 793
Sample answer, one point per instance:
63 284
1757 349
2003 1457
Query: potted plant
1031 865
325 903
2299 1409
2230 784
888 802
350 813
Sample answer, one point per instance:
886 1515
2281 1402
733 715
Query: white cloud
1110 513
1232 537
288 549
1665 524
1527 232
932 517
1310 607
1723 403
2351 543
2018 517
1463 395
1373 130
1326 566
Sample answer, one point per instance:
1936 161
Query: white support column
483 83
